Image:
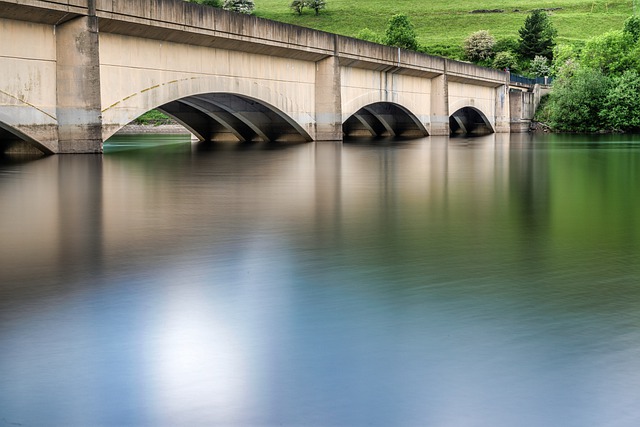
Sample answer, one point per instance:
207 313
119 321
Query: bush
505 60
369 35
401 33
212 3
240 6
479 46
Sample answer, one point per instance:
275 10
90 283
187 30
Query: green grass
448 23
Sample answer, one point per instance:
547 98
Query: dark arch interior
383 119
469 121
225 116
12 143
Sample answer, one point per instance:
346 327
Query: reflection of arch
217 107
470 121
384 119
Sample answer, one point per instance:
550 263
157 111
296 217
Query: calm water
464 282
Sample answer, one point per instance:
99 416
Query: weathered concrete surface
92 66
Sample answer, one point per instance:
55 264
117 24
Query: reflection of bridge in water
74 73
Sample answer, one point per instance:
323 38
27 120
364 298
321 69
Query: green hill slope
441 23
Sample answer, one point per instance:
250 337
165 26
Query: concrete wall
28 82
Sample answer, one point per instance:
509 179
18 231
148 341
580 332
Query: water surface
435 282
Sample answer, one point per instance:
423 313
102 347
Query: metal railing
529 81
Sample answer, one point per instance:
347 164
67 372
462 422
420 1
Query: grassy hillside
448 23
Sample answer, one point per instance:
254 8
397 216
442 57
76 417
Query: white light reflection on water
433 282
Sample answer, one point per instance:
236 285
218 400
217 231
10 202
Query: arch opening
384 119
469 121
232 117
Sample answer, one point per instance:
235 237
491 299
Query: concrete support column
328 100
78 86
502 116
439 106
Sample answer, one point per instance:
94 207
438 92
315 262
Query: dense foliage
597 88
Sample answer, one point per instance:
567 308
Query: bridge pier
440 106
78 86
328 100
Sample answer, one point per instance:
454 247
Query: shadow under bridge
384 119
231 117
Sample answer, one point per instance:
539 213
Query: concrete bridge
74 72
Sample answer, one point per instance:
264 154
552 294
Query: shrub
212 3
479 46
504 60
240 6
401 33
369 35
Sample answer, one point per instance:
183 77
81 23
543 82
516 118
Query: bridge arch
216 107
384 119
469 120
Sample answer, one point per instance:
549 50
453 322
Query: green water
437 282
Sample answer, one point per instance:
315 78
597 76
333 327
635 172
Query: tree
537 36
240 6
540 66
401 33
479 46
316 5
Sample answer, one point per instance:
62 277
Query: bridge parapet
465 72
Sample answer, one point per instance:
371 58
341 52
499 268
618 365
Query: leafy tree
612 52
479 46
536 36
240 6
316 5
401 33
621 107
565 57
575 102
540 66
297 6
